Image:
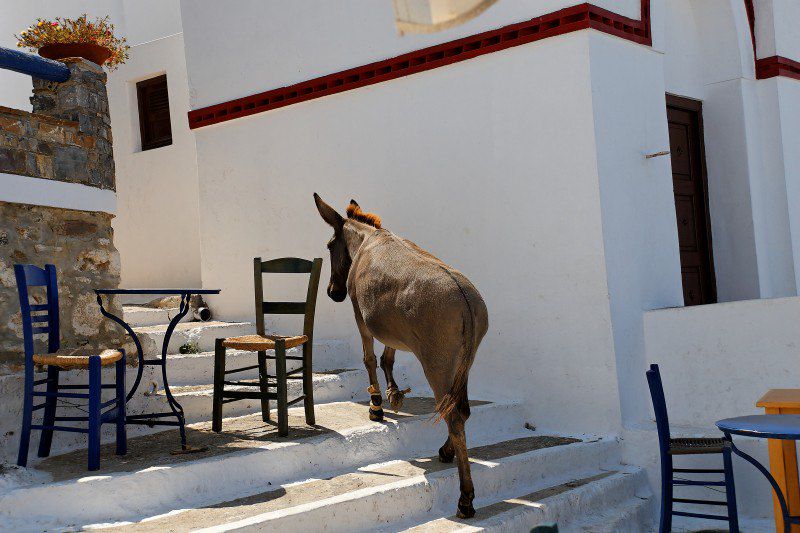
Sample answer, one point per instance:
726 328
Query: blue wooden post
50 402
94 412
33 65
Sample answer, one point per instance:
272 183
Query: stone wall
67 138
80 244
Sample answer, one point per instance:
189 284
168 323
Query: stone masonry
67 138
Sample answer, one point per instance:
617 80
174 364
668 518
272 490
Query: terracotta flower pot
90 51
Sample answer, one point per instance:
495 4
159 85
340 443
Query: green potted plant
63 37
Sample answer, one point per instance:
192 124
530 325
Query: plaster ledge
50 193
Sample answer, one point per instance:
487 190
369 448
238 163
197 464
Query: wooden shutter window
154 112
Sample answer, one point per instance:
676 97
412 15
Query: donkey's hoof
376 415
396 397
446 456
465 511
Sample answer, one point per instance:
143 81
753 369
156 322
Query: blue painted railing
33 65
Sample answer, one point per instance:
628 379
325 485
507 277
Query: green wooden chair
272 387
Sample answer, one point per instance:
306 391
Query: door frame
696 106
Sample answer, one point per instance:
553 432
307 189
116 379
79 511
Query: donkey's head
340 254
337 246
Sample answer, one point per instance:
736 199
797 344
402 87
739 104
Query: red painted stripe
567 20
751 18
770 67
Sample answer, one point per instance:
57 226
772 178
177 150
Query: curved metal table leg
132 335
176 408
787 518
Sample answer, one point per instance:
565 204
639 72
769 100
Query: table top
763 426
157 291
780 398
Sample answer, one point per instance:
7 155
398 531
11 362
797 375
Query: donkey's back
412 301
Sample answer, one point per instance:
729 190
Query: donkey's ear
328 213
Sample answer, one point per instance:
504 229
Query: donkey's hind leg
371 364
446 452
458 440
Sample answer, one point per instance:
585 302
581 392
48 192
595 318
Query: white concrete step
198 368
138 316
199 335
637 515
592 501
249 464
336 386
387 494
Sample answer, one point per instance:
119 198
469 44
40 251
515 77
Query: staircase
344 474
190 374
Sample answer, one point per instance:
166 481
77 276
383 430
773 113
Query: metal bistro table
780 427
175 408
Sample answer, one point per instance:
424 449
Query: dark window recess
154 112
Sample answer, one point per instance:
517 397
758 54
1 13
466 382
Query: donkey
410 301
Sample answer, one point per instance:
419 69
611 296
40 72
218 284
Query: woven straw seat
77 358
259 343
695 446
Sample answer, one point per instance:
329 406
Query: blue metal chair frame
669 447
33 276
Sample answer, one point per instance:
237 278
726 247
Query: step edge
370 428
627 479
421 480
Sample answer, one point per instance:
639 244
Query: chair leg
262 379
280 371
730 490
308 384
122 437
27 414
665 524
49 418
94 412
219 378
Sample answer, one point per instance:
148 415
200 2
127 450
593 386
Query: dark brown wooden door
691 200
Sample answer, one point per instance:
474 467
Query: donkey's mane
355 212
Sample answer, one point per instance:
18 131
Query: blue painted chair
670 447
46 322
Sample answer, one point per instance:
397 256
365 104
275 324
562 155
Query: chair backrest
659 404
287 265
38 319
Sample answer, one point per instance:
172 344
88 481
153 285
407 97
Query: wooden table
783 453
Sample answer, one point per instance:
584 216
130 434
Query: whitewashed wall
777 31
638 208
157 227
788 95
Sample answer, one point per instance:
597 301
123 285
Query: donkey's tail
456 397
